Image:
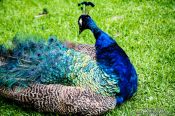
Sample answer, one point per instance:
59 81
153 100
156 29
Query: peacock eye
80 21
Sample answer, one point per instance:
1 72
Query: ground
144 29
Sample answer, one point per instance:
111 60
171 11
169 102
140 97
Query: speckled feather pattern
84 48
60 99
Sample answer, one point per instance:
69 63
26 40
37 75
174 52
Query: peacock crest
85 7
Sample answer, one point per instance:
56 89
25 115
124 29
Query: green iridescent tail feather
52 62
23 63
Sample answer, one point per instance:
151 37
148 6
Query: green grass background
144 29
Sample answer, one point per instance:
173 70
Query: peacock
68 78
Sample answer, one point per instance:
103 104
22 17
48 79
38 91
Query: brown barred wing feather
84 48
61 99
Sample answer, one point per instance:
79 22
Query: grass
144 29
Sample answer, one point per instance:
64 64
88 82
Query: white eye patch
80 22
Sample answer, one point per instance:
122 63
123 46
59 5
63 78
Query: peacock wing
60 99
84 48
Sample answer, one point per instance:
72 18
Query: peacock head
85 21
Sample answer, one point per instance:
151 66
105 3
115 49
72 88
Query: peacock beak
80 30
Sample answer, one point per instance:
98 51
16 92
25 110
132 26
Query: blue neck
113 60
107 50
108 54
102 39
